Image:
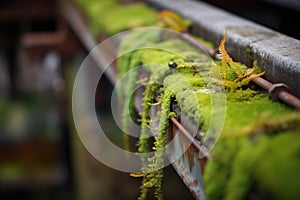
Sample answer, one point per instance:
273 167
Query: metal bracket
276 89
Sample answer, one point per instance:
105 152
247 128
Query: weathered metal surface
189 137
277 54
187 37
211 24
278 92
189 166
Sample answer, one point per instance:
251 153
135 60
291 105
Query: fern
231 74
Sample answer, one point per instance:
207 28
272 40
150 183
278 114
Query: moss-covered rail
250 115
255 153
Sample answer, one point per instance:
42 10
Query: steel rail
276 91
190 138
77 24
188 38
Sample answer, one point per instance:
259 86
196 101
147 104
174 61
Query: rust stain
189 180
194 183
190 154
182 141
202 162
191 151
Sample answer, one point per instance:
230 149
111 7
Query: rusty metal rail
277 54
277 92
190 138
190 174
188 38
79 27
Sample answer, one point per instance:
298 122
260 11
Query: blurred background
41 156
279 15
35 152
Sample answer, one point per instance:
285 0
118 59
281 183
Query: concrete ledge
277 54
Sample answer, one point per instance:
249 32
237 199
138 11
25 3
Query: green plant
231 74
245 107
154 168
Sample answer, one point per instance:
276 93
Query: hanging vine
128 60
153 166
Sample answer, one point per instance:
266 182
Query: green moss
144 146
248 113
257 152
155 176
187 99
266 166
126 17
130 58
249 55
218 170
112 17
280 166
263 166
243 113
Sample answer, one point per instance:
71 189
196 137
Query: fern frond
225 58
237 68
222 46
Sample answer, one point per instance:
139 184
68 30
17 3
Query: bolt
172 64
275 89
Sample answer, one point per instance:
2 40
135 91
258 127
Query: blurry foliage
28 117
112 17
265 166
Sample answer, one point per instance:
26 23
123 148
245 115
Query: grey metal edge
277 54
